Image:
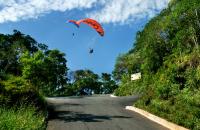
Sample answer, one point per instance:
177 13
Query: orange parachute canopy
91 22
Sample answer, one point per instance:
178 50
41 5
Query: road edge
156 119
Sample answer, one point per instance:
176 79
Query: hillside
167 53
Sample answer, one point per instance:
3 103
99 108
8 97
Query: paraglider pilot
91 51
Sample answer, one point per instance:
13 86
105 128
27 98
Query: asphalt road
96 113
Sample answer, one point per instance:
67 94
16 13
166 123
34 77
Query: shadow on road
69 116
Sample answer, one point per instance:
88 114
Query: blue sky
46 21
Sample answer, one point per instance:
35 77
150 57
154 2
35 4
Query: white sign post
136 76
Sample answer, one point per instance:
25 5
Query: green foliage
85 79
128 87
28 70
46 71
11 49
14 83
108 85
21 118
16 91
126 64
167 54
21 106
21 55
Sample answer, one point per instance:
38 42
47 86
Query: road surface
96 113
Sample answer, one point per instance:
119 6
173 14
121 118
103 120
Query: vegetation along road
96 113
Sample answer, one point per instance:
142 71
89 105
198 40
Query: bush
16 91
21 118
21 106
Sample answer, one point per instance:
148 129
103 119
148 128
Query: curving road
96 113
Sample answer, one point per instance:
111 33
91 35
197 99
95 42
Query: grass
21 118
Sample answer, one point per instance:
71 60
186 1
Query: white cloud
15 10
111 11
124 11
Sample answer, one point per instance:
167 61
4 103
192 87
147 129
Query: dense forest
167 53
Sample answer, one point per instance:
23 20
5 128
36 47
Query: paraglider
91 22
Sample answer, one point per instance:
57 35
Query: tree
86 79
33 69
127 64
47 72
120 67
107 84
11 49
56 69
